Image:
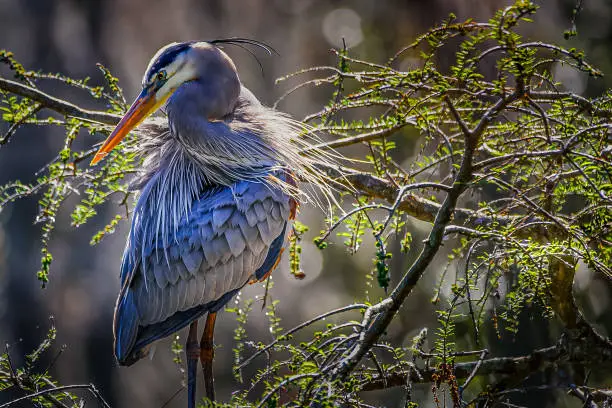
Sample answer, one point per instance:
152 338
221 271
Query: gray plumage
210 252
216 194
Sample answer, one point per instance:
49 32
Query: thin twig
299 327
89 387
474 371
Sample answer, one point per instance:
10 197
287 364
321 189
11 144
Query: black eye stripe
167 57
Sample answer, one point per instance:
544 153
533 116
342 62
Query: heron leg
207 354
193 352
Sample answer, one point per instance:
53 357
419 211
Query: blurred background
70 36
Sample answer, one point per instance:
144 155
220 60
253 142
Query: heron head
172 66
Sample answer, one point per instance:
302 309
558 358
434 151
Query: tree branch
567 350
391 305
514 366
56 104
425 210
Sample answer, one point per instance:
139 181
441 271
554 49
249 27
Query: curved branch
425 210
56 104
89 387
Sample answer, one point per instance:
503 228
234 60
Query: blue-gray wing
230 236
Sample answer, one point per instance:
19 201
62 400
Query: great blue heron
217 195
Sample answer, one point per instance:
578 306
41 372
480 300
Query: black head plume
244 43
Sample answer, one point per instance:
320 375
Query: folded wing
228 237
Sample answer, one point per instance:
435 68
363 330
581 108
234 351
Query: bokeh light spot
342 23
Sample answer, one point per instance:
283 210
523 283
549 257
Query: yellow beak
144 105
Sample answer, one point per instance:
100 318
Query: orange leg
193 352
207 354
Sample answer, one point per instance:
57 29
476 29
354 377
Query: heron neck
224 150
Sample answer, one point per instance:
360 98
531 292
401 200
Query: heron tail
126 329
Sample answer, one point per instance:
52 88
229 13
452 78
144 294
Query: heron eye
161 75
